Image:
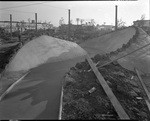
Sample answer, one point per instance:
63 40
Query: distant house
145 23
106 27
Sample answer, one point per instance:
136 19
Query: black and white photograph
75 60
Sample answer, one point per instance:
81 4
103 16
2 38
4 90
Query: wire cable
56 7
17 11
21 6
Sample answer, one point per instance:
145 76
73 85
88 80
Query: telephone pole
10 27
36 22
116 20
68 24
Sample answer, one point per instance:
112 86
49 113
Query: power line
56 7
32 4
21 6
18 11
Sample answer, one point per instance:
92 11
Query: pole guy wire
123 55
21 6
18 11
56 7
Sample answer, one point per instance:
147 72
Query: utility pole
149 10
36 22
116 20
10 27
68 24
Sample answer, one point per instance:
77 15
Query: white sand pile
44 49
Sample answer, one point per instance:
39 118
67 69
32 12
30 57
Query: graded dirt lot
49 59
109 42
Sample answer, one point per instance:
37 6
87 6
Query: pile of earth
84 97
6 53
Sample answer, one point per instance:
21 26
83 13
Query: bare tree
61 21
71 21
92 22
77 20
23 25
121 23
81 21
104 23
29 20
143 17
141 22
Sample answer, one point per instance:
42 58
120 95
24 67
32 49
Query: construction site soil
84 98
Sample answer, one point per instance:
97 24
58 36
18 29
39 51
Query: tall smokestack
116 22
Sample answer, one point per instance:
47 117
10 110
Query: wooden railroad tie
119 109
147 100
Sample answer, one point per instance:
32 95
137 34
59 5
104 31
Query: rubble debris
92 90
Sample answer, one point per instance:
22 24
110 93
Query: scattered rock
97 105
143 114
69 79
137 90
139 98
120 74
133 93
133 83
92 89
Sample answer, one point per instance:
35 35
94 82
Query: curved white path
37 96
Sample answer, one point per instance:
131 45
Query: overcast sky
100 11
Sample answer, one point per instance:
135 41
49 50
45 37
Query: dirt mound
6 52
84 98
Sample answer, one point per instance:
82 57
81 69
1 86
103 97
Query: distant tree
86 23
4 35
141 22
71 21
92 22
121 23
61 21
81 21
29 20
104 23
23 25
97 26
143 17
77 20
